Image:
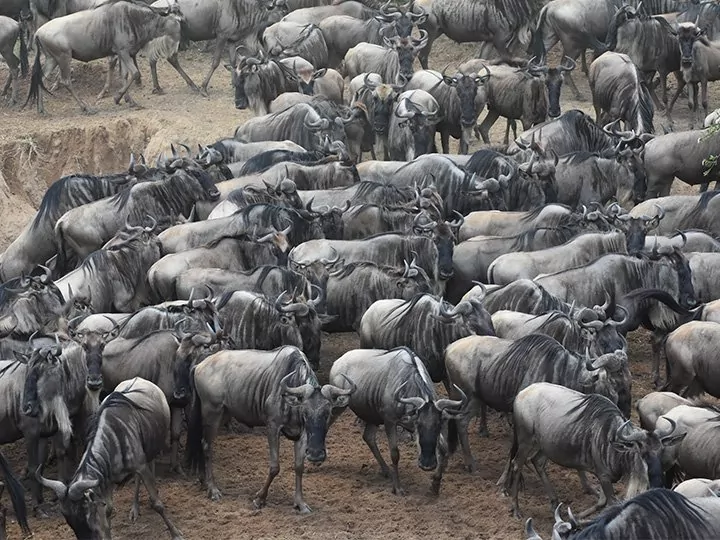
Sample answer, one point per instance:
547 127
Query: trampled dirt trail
349 497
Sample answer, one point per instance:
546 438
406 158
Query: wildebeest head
43 382
93 343
383 101
194 348
612 378
324 127
421 124
554 81
84 507
29 305
676 259
315 404
470 313
407 48
255 79
412 281
444 236
426 416
402 19
636 228
603 336
330 219
467 88
640 452
687 34
306 79
309 322
540 172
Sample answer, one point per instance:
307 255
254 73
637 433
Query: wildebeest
529 94
266 279
379 100
618 275
48 395
355 286
580 250
115 279
687 241
343 32
506 24
699 61
127 435
619 93
257 322
229 253
586 433
320 82
704 275
461 98
317 13
698 487
36 243
492 371
691 353
288 38
679 155
393 62
425 324
585 177
257 82
85 229
286 397
29 305
10 31
394 388
432 254
120 28
412 126
300 124
657 513
576 335
650 42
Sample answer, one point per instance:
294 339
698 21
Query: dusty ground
349 497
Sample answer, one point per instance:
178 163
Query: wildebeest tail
537 44
452 435
24 64
665 298
36 83
194 453
17 494
661 350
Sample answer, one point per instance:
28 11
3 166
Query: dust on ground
348 496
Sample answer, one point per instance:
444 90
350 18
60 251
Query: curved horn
330 262
483 288
151 228
442 404
558 517
47 273
620 433
613 322
302 390
315 302
415 401
683 236
76 490
331 391
662 433
58 347
457 223
58 487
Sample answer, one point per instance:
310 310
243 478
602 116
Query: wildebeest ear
20 357
229 68
292 400
672 440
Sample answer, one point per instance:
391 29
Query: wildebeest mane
638 518
576 158
349 268
500 299
262 162
367 192
696 217
75 190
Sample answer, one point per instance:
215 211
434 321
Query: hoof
194 89
516 513
214 494
398 491
134 513
158 91
471 468
302 508
204 92
258 503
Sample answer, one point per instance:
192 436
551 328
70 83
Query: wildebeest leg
13 65
607 495
3 520
65 80
518 462
680 86
175 429
148 478
173 61
112 62
442 456
135 508
704 98
482 428
490 118
539 461
445 141
299 454
391 432
273 435
369 437
32 445
220 46
656 342
585 483
211 424
583 66
132 74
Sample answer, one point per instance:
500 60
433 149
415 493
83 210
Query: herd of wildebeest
197 288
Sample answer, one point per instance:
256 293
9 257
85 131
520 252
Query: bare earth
347 494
